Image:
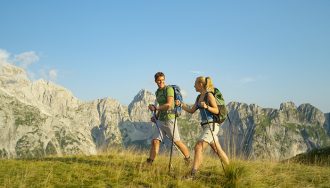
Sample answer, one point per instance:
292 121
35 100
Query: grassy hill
126 168
319 157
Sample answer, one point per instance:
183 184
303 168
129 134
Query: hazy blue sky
256 51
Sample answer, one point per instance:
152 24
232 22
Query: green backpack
222 115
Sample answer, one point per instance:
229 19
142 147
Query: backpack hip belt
205 123
213 124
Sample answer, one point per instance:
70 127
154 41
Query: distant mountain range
41 118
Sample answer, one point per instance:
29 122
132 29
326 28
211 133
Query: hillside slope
126 168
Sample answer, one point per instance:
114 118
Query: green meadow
127 168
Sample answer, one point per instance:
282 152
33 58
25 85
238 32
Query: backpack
222 115
177 96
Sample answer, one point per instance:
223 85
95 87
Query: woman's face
197 86
160 81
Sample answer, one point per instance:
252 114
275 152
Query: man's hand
152 107
153 119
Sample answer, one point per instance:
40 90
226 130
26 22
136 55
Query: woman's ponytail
209 84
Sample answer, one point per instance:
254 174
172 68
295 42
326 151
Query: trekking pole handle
152 107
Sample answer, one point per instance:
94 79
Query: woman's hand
203 105
177 103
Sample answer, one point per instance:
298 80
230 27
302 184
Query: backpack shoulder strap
206 97
165 90
197 98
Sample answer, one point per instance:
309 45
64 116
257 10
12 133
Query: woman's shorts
207 135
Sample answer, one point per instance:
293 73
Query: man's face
160 82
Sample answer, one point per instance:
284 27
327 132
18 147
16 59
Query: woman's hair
159 74
206 82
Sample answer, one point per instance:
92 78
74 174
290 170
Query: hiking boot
191 175
193 172
149 161
187 160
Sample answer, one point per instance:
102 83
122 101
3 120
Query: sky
256 52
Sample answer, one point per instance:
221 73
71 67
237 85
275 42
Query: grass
320 157
126 168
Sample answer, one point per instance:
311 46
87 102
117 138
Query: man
165 119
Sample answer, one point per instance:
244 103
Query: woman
165 119
206 103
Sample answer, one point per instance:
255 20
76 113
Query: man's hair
159 74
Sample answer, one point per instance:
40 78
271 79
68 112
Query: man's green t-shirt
161 97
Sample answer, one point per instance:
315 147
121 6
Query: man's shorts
207 135
166 130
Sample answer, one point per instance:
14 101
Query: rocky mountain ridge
274 133
41 118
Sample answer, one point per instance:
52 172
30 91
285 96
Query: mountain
40 118
276 134
318 156
327 123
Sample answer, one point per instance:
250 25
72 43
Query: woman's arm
189 110
212 107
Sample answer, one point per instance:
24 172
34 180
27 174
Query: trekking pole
170 163
216 149
228 119
176 147
230 128
160 132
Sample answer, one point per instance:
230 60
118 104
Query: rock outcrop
40 118
274 134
